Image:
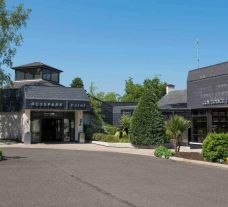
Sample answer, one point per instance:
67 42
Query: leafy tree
10 38
133 91
155 84
10 24
4 79
96 106
174 129
109 96
147 125
77 83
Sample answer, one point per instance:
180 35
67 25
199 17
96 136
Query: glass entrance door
68 131
36 130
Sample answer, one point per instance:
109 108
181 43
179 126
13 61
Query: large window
220 121
50 76
28 74
199 123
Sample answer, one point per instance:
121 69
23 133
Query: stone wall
10 125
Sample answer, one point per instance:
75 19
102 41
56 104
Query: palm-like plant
174 129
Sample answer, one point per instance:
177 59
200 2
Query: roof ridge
208 66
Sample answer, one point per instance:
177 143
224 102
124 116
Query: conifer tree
147 125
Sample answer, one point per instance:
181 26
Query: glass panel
199 128
66 130
55 77
28 76
20 75
59 129
219 121
35 129
72 125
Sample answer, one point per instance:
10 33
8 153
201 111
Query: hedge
108 138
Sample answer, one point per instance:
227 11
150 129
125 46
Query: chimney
169 87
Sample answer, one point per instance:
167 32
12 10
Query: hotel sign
214 102
57 105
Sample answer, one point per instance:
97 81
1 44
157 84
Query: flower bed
190 155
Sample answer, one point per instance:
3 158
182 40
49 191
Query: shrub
215 147
147 125
105 137
125 140
90 130
124 134
162 152
174 129
125 121
109 138
109 129
117 134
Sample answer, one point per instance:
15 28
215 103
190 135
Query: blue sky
107 41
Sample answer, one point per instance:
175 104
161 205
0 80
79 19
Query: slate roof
177 97
55 93
37 82
208 72
35 65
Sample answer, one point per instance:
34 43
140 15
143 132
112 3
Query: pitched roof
35 65
55 93
37 82
208 72
177 97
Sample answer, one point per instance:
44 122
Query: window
55 77
28 74
50 76
20 75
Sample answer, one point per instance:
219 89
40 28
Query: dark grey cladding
11 100
55 93
208 87
208 72
174 99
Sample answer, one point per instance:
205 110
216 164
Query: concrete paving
53 177
90 147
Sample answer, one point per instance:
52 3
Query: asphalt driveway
45 177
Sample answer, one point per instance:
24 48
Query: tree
4 79
133 91
10 24
109 96
147 125
174 129
95 105
155 84
77 83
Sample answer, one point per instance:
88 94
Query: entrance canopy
62 98
45 97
